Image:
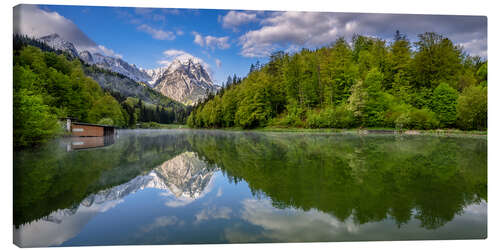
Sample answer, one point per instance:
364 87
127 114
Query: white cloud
109 52
162 221
172 200
180 55
35 22
292 49
282 30
233 19
211 42
198 39
174 53
164 62
290 225
219 64
213 212
476 47
179 202
219 42
289 28
61 225
156 33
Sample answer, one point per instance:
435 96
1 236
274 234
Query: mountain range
181 181
183 178
184 80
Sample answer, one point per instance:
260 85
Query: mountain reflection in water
188 186
183 179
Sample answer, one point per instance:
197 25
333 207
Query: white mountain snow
182 80
116 65
154 74
185 80
182 180
56 42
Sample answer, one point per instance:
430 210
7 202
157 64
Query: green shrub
293 117
414 118
149 125
33 121
394 113
444 104
107 107
106 121
314 119
423 119
342 117
482 74
472 108
330 117
402 121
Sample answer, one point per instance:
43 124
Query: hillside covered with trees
371 82
50 84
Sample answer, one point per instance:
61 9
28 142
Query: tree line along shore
51 84
429 84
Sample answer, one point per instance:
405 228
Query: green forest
49 178
429 84
431 179
49 85
365 83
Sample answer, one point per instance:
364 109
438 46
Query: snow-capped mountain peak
115 65
56 42
154 74
107 62
186 79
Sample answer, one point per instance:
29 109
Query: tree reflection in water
348 180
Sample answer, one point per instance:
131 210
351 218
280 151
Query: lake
209 186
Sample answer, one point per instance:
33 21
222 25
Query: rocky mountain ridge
185 80
185 177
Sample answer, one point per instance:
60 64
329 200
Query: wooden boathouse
82 129
87 129
80 143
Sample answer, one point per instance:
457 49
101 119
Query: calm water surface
188 186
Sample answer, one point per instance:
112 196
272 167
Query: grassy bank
379 130
155 125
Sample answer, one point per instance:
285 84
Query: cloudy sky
228 40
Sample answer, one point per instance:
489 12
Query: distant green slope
127 87
118 85
50 84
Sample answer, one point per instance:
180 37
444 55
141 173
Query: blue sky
230 40
118 29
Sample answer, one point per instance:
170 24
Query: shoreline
378 131
360 131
